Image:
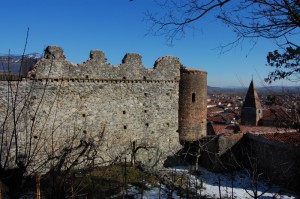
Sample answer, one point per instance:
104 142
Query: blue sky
117 27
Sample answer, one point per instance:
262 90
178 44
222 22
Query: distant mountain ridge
211 88
18 58
12 64
264 89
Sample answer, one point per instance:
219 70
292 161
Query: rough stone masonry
118 106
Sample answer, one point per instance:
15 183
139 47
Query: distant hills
267 90
13 63
212 88
18 58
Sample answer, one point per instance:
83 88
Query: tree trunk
12 179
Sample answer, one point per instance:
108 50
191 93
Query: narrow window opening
168 124
84 131
124 77
83 115
86 76
147 124
145 111
193 97
145 94
125 127
144 77
124 112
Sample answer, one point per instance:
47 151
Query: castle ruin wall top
55 65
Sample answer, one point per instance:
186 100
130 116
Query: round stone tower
192 105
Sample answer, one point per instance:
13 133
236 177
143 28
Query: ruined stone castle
120 107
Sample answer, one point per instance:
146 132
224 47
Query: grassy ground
101 182
106 181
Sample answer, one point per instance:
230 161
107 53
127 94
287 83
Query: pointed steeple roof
252 99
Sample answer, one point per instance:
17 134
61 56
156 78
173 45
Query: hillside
17 63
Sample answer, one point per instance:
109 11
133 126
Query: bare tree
178 16
251 167
250 19
30 137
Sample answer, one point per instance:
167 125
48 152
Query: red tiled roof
218 128
291 138
273 133
224 129
275 113
217 119
260 129
242 129
229 115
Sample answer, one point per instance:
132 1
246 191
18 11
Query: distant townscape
265 126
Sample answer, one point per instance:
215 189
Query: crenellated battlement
54 65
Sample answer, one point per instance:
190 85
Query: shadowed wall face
192 104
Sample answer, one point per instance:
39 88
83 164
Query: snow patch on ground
241 185
210 182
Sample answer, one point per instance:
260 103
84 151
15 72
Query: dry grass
101 182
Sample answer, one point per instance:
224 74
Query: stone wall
121 108
279 162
